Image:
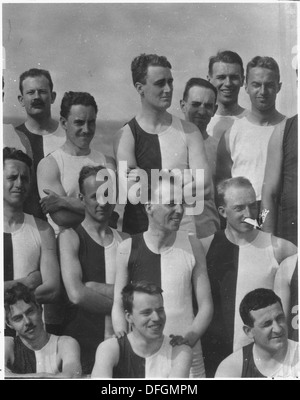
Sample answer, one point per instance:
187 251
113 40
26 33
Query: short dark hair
198 82
11 153
238 181
18 292
76 98
140 64
263 62
226 56
255 300
141 287
86 171
32 73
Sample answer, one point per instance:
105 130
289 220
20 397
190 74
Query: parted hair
140 64
255 300
76 98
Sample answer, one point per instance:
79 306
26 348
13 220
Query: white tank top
248 145
70 167
26 244
46 357
257 267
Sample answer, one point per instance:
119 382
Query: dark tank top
24 358
148 156
287 219
130 365
86 327
249 367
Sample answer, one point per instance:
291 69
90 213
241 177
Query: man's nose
155 316
36 94
227 81
19 181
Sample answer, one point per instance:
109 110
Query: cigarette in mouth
252 222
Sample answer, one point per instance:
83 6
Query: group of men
168 284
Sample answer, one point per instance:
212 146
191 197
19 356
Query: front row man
35 353
271 354
145 352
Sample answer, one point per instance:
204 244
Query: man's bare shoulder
43 226
109 346
67 342
189 127
48 161
232 366
69 235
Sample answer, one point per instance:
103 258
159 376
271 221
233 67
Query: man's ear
81 197
63 122
148 207
183 106
222 211
248 331
128 317
139 87
246 87
53 97
279 87
21 100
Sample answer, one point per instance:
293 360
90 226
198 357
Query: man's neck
100 232
267 117
204 134
41 126
229 109
240 238
69 148
39 342
13 218
269 363
159 240
153 120
143 347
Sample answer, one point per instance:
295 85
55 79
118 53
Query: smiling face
199 107
166 209
80 126
16 182
228 79
26 320
239 203
37 96
157 91
148 316
269 329
262 86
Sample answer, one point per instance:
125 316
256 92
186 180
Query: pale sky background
89 47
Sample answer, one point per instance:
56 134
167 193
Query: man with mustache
33 353
199 106
43 132
270 353
145 352
243 148
156 140
174 260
